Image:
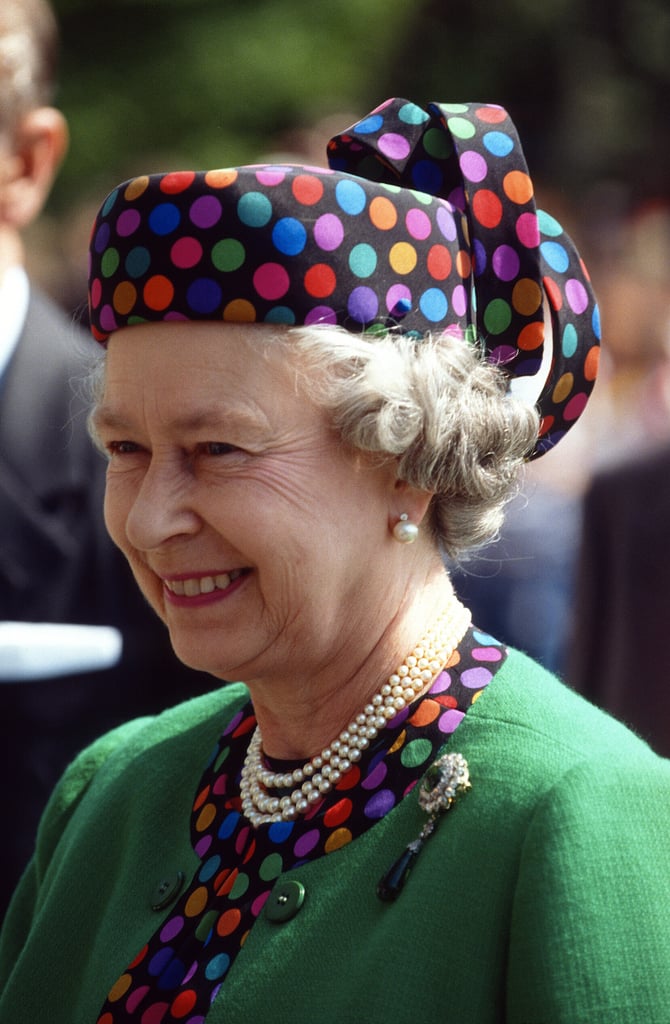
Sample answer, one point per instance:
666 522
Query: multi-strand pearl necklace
309 784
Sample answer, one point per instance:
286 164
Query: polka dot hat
424 222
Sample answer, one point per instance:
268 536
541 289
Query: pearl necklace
318 775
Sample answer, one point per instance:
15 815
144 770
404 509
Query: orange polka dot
136 187
426 713
591 363
339 813
221 177
183 1003
337 839
139 958
487 208
383 213
563 387
125 297
225 881
196 902
439 262
119 988
307 189
491 115
177 181
105 1019
463 264
205 818
201 797
531 336
158 292
526 296
228 922
518 187
320 281
402 258
399 741
239 311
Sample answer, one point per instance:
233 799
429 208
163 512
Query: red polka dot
307 189
591 363
490 115
158 292
439 262
183 1003
553 293
487 208
338 814
139 958
320 281
176 182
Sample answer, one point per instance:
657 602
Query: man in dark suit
57 564
621 648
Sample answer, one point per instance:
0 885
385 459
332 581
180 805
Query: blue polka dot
204 295
289 236
548 225
595 321
350 197
410 113
433 304
228 825
481 258
498 143
173 975
209 868
279 831
164 218
427 176
109 202
369 125
217 967
254 209
556 256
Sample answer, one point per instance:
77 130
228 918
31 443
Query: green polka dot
240 886
422 197
497 316
437 143
272 867
206 924
416 752
223 754
110 262
461 128
228 254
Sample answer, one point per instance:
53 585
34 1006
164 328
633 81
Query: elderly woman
317 383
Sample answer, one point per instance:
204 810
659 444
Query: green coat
542 898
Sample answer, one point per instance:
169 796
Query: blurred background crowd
579 576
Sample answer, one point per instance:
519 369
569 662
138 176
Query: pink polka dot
328 232
396 294
135 998
96 292
155 1014
528 231
575 406
473 166
449 720
271 176
459 300
271 281
418 224
259 903
186 252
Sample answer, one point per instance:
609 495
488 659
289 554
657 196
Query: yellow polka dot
399 742
125 297
337 839
136 187
563 387
403 258
221 177
205 818
526 296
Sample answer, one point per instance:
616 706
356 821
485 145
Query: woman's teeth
202 584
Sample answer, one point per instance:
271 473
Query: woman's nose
162 508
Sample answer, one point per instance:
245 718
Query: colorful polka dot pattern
470 154
425 221
179 972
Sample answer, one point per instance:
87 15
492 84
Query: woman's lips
200 589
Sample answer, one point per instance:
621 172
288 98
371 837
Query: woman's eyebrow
214 417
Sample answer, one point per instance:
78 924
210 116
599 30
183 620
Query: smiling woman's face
259 539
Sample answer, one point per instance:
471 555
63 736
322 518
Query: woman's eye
218 448
122 447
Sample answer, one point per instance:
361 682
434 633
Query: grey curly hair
438 407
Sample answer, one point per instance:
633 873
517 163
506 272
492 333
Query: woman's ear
38 146
410 501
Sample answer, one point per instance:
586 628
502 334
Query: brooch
446 779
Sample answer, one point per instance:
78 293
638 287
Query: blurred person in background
57 565
314 382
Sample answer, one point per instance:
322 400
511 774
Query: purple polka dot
190 972
449 720
205 211
442 683
375 777
171 928
328 232
418 224
505 263
446 223
306 843
502 355
202 846
363 304
474 678
128 222
459 300
473 166
107 319
239 717
321 315
102 237
393 145
379 804
577 295
160 961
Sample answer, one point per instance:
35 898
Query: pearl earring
404 531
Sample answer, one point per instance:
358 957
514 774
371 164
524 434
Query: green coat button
284 901
166 891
